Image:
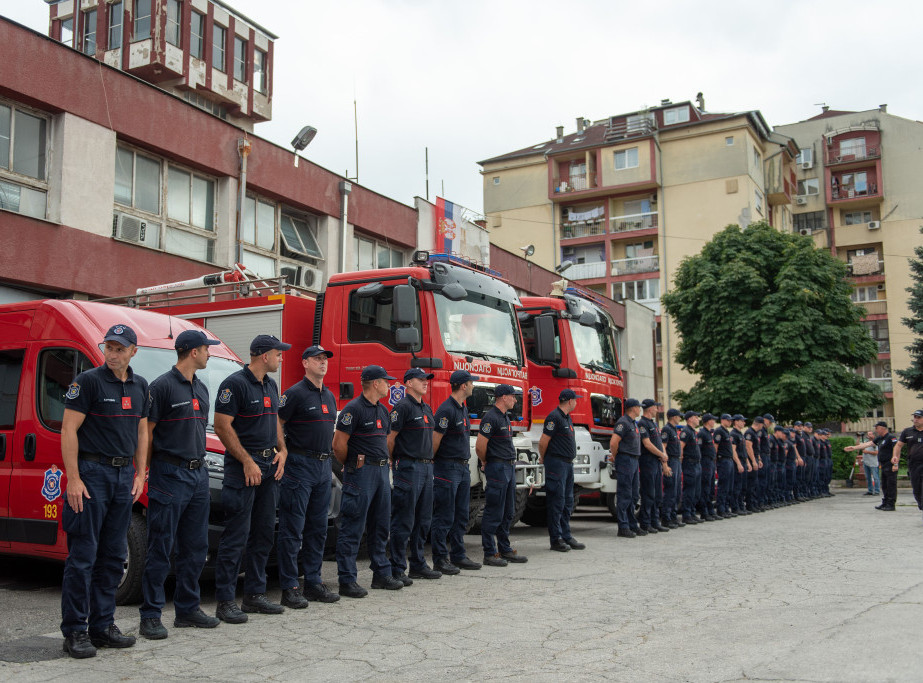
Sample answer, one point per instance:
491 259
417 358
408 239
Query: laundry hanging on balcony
588 215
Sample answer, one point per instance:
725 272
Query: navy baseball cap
462 376
725 416
708 416
879 424
690 413
648 402
567 395
769 418
373 372
797 423
778 428
788 432
312 351
808 424
632 403
738 416
917 413
417 373
758 420
192 339
264 343
504 390
122 334
673 412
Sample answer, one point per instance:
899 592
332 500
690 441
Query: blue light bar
587 294
458 260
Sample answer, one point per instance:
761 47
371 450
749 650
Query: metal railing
851 193
639 264
884 383
583 229
585 271
576 183
618 130
835 155
634 221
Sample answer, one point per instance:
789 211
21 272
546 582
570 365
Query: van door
11 363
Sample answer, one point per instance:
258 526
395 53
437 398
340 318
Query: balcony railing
876 307
884 383
582 229
835 155
576 183
618 130
585 271
844 194
639 264
634 221
857 267
866 424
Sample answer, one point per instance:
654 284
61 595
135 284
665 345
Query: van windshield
151 363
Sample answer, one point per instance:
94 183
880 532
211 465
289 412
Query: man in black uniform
557 449
452 478
828 470
752 446
307 413
625 449
669 437
738 486
797 438
177 491
726 462
706 505
912 437
764 477
246 421
885 442
653 464
494 448
361 444
411 446
102 485
692 466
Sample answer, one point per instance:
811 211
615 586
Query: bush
842 461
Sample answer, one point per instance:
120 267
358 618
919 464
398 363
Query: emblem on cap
118 329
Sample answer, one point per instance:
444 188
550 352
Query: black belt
182 463
423 461
447 459
630 455
373 463
312 454
503 460
559 457
264 453
117 461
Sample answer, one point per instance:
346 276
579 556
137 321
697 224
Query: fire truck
570 344
440 313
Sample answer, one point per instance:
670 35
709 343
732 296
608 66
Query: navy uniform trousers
304 504
499 506
366 507
451 497
411 512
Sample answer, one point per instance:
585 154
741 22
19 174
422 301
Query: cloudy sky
472 79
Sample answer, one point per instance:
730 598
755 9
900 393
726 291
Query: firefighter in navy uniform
360 442
672 483
652 465
307 413
764 477
625 449
494 448
411 446
752 446
178 496
102 485
247 422
738 485
706 505
557 449
725 463
692 466
912 437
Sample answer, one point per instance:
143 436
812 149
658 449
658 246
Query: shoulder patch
225 396
282 400
549 426
620 428
486 427
346 418
394 416
443 422
73 391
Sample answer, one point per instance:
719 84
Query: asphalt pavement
829 590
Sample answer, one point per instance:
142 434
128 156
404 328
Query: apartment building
857 194
626 198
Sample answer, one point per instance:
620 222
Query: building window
640 249
196 35
89 33
141 28
862 294
240 59
637 290
22 162
115 26
174 22
805 156
218 43
258 224
262 265
298 238
729 141
626 158
857 217
496 180
137 181
260 80
757 159
369 254
190 199
809 186
809 222
854 147
675 115
183 243
67 31
206 104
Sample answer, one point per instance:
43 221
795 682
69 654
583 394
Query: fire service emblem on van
51 488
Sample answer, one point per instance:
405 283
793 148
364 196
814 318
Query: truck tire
610 504
475 509
522 498
536 512
129 590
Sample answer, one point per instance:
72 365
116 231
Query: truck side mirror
544 339
454 292
407 336
404 305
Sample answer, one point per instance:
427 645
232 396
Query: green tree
912 377
766 322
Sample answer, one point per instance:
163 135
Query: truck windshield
151 363
481 326
594 347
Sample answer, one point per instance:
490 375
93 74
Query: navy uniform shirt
723 442
309 414
706 443
669 437
180 410
791 452
630 443
648 430
691 445
254 407
113 409
914 439
753 437
798 439
559 429
774 448
368 427
413 421
737 438
765 447
453 423
809 445
495 425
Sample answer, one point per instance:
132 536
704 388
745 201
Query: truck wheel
610 503
476 509
536 512
129 590
522 498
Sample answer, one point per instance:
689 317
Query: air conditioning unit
801 201
804 231
305 277
874 225
807 165
129 228
881 287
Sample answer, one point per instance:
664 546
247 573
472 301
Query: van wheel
129 590
536 512
476 509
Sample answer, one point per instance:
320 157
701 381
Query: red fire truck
570 344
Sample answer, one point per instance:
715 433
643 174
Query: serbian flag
447 237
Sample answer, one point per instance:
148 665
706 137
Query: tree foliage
766 322
912 377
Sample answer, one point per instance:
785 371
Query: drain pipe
345 188
664 318
243 150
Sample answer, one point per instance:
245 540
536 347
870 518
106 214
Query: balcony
883 383
877 307
833 155
620 129
582 229
586 271
575 183
865 424
861 266
634 221
639 264
884 345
